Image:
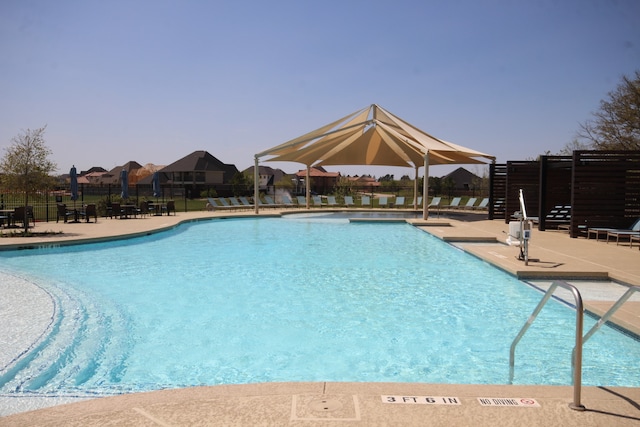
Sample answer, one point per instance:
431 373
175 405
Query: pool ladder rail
576 356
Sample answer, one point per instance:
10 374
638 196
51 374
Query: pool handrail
576 359
605 317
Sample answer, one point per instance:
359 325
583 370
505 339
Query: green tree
616 126
241 184
26 167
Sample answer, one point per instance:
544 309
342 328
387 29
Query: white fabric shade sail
371 136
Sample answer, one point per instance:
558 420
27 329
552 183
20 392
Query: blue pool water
292 299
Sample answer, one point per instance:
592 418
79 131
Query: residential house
322 182
197 172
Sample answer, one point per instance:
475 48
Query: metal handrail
610 312
576 359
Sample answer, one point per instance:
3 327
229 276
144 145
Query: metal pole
425 188
256 182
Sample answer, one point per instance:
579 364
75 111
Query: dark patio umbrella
73 175
124 181
156 185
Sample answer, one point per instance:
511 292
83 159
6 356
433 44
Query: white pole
425 188
415 190
256 182
308 187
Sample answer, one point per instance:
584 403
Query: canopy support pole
308 185
425 188
415 190
256 183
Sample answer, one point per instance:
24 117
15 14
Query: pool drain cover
325 405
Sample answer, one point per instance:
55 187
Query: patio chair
19 215
627 234
331 201
435 202
383 202
470 203
286 200
317 201
246 203
366 200
399 203
116 210
235 202
170 207
598 232
483 204
302 201
348 201
417 202
63 212
455 203
267 202
224 203
91 211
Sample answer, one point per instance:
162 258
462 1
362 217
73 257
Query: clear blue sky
153 81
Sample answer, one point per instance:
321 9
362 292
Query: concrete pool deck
552 255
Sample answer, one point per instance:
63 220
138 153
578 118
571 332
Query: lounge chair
286 200
331 201
235 202
317 201
215 204
366 200
598 232
268 202
455 203
435 202
383 202
627 234
348 201
399 202
224 203
470 203
302 201
418 202
483 204
245 202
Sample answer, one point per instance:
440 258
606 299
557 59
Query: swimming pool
292 299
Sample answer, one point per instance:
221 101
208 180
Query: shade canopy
372 136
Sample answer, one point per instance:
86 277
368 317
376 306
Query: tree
26 167
616 126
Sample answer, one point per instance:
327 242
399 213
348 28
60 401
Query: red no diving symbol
527 402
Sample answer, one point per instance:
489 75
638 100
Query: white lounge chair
455 203
382 202
399 202
366 200
348 201
331 201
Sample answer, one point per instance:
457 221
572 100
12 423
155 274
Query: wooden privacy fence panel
605 189
555 186
497 190
525 176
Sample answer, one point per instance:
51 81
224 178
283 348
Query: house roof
201 161
317 172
